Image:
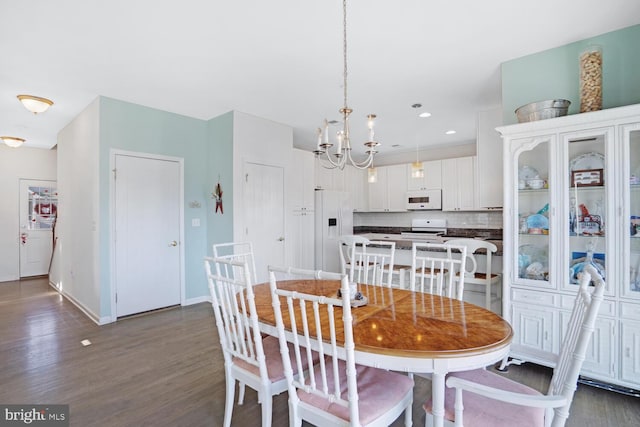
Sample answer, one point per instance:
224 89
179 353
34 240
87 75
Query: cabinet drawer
629 310
541 298
607 308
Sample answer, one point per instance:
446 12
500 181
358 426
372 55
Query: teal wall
219 169
133 127
554 74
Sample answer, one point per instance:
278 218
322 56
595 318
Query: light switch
195 222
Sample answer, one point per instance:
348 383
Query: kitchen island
473 293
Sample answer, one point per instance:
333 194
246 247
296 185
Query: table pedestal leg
437 394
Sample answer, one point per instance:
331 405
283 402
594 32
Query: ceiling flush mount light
35 104
342 154
12 141
450 132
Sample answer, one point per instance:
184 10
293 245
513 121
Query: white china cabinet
572 196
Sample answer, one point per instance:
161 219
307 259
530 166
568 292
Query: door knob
281 239
174 243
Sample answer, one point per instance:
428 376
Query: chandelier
342 153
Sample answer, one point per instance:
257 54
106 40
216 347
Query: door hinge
114 173
116 297
246 177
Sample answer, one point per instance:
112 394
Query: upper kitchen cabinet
389 192
459 184
432 179
329 179
489 164
571 198
355 182
301 186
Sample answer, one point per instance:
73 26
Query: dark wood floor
166 369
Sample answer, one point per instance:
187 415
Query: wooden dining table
408 331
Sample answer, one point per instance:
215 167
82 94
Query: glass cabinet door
589 219
532 206
631 221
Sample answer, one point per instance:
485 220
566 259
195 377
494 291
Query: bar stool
487 278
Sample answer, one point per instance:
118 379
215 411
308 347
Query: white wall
77 256
262 141
16 164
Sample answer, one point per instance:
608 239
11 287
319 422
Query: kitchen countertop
393 235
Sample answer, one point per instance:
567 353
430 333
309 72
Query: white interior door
147 233
264 215
38 212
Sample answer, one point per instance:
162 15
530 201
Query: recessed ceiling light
450 132
424 114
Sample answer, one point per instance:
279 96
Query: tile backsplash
484 219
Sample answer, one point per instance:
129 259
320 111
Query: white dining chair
238 251
434 267
487 279
249 358
372 263
493 400
337 392
346 246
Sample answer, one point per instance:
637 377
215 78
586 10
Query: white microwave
424 200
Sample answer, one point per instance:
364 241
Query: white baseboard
198 300
90 314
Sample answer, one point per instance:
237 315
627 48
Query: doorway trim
112 215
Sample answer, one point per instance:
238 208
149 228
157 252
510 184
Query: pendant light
417 170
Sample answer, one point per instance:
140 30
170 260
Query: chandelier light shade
342 153
35 104
12 141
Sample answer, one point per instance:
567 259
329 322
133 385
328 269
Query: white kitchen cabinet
302 236
329 179
459 184
552 225
489 159
355 181
432 179
389 192
301 186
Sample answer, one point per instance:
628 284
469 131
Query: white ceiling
282 59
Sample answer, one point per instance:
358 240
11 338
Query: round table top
405 323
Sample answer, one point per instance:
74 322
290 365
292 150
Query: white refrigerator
334 218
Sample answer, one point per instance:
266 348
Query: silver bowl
541 110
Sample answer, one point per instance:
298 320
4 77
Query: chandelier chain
344 49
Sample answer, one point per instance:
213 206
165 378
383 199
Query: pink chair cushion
378 392
483 411
271 347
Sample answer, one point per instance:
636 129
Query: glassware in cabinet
532 238
632 241
586 205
